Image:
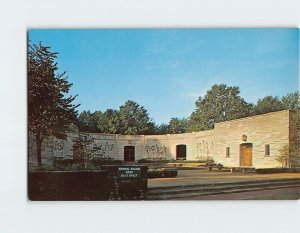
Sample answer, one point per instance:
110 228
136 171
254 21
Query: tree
177 125
162 129
50 111
134 119
289 155
221 103
283 156
112 119
268 104
98 122
295 139
291 101
85 121
83 152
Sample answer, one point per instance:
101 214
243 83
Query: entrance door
246 154
129 155
181 152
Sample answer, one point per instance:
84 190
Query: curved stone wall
223 143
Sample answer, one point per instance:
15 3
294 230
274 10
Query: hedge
162 173
277 170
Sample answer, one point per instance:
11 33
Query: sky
166 70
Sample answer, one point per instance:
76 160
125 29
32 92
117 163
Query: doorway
181 152
129 153
246 154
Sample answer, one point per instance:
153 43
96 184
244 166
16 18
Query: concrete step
220 184
166 193
187 196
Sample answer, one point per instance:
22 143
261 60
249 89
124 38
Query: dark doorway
246 154
129 154
181 152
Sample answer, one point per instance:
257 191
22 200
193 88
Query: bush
277 170
63 162
162 173
208 161
153 161
100 161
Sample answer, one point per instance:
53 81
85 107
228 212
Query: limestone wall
267 129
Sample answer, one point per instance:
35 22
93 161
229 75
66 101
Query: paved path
270 194
195 177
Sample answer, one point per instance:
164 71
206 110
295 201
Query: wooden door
129 153
246 154
181 152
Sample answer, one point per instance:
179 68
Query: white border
19 215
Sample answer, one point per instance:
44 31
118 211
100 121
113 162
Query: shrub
277 170
162 173
63 162
153 161
100 161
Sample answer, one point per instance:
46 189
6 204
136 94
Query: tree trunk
39 142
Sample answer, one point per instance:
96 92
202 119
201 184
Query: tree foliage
268 104
85 123
134 118
291 101
83 151
295 139
221 103
131 118
177 125
283 157
50 111
162 129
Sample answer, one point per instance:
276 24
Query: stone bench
243 169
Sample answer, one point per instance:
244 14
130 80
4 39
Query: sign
129 172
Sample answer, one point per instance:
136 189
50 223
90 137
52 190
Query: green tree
85 121
295 139
221 103
177 125
289 155
162 129
98 122
283 156
268 104
134 119
112 118
291 101
107 122
50 111
83 150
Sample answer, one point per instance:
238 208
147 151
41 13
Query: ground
203 177
275 194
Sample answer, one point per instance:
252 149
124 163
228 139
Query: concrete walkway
198 177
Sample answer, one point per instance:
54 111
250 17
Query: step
187 196
228 187
222 184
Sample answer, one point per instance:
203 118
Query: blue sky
166 70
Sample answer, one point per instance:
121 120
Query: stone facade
265 134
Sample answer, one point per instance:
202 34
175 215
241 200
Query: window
267 150
227 151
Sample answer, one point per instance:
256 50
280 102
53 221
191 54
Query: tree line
220 103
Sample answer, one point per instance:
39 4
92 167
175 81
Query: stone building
253 141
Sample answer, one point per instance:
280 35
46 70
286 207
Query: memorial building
253 141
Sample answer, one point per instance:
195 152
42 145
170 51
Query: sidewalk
196 177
